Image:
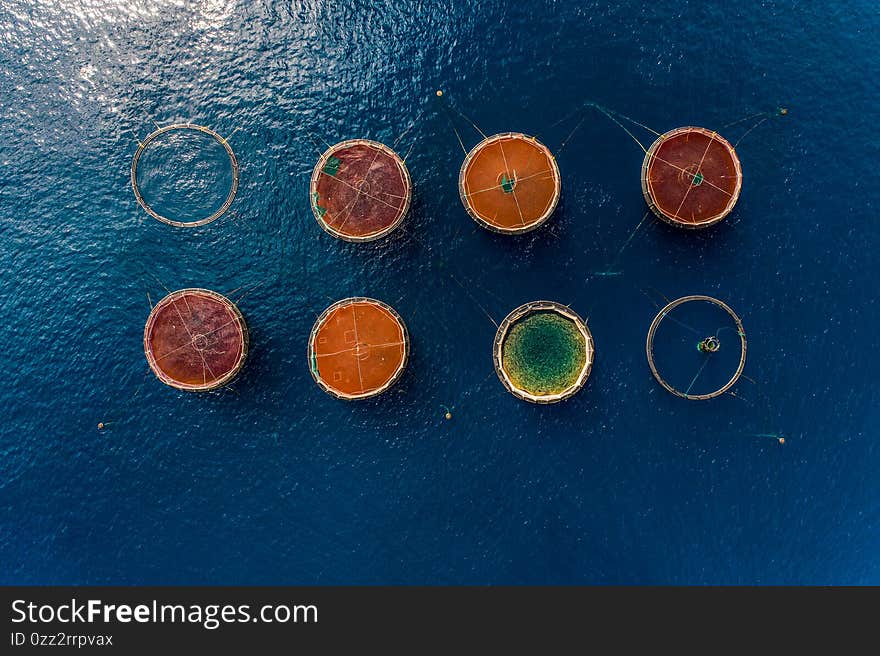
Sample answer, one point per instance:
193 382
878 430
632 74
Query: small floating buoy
100 425
448 416
709 345
782 440
439 93
783 111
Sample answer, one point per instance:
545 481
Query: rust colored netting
358 348
196 340
510 183
691 177
360 190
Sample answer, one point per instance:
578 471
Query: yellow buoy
100 426
783 111
782 440
439 93
448 415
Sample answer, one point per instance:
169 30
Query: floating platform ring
233 189
358 348
548 335
652 331
510 183
196 340
691 177
360 190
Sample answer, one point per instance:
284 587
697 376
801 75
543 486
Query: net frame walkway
520 313
235 317
465 193
233 188
649 347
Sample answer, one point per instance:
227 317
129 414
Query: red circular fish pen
510 183
691 177
195 340
358 348
360 190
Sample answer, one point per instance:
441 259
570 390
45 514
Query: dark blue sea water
278 483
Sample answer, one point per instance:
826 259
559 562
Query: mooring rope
609 269
448 108
427 251
414 122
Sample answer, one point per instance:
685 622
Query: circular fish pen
691 177
360 190
510 183
696 347
358 348
195 340
188 160
543 352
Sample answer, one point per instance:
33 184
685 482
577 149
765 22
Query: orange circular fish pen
360 190
691 177
543 352
358 348
510 183
195 340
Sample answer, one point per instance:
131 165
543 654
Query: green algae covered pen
543 352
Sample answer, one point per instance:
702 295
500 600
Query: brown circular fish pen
691 177
708 345
547 361
360 190
233 189
358 348
510 183
195 340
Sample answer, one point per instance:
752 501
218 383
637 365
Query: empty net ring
696 348
233 188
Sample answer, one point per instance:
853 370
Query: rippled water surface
277 482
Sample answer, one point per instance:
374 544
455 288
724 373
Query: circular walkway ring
509 185
198 341
361 351
233 189
649 347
